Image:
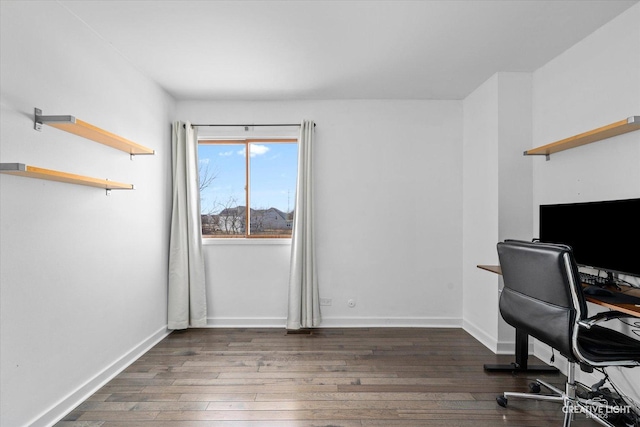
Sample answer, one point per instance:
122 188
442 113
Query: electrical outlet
325 301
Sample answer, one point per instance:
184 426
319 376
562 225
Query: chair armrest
602 317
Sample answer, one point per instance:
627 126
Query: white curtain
187 302
304 301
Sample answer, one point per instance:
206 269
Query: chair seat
602 344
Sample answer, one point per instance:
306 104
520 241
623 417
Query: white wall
595 83
389 215
247 282
83 277
481 212
497 195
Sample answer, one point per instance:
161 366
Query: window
265 180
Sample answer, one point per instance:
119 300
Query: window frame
247 170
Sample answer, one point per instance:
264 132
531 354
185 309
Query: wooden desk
522 339
630 309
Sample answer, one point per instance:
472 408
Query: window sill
240 241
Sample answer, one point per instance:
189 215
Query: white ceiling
338 49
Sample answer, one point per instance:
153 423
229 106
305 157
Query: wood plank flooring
360 377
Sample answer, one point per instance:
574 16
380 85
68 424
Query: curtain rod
247 125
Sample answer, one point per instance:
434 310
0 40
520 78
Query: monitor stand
611 280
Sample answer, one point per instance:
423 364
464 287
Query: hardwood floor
334 377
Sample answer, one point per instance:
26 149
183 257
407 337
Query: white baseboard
246 322
484 338
338 322
73 399
498 347
395 322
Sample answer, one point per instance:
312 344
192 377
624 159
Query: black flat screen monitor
604 235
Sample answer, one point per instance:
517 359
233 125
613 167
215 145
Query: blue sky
273 175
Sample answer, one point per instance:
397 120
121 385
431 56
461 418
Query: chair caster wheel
534 387
502 401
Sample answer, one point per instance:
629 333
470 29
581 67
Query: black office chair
542 296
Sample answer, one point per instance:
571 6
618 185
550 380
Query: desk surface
630 309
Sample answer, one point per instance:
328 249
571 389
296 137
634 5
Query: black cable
635 409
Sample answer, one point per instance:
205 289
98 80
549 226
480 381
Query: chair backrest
542 294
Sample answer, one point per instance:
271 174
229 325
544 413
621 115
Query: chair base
571 403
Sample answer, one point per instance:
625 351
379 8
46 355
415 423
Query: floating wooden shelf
21 169
86 130
618 128
492 268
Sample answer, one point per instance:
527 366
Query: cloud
226 153
255 150
204 161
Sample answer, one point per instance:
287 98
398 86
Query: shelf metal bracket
547 156
39 119
13 167
109 190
